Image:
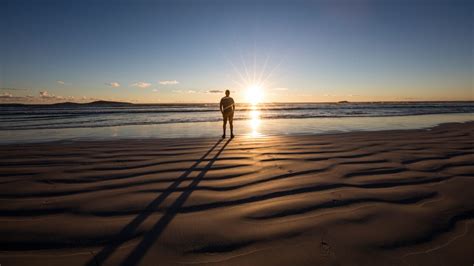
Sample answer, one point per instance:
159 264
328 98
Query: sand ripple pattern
363 198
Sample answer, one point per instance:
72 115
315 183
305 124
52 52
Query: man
227 107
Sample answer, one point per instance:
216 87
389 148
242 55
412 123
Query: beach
392 197
237 133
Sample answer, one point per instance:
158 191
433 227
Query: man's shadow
150 237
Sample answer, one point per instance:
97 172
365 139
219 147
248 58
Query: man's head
227 93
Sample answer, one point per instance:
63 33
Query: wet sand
364 198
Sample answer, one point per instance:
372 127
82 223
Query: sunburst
254 94
255 83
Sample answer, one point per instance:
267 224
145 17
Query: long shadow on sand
150 237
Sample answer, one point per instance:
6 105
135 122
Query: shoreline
217 137
244 128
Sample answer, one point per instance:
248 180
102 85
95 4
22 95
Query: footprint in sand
326 248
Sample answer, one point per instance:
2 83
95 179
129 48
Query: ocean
26 123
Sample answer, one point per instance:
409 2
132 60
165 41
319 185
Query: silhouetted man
227 107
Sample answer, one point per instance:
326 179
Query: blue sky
189 51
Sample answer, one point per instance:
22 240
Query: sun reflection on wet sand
254 121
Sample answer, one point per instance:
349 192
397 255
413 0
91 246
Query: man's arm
233 105
220 106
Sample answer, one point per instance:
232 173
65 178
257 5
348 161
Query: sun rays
253 80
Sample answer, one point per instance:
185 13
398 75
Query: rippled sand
366 198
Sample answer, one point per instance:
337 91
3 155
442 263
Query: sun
254 94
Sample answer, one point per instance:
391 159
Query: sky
191 51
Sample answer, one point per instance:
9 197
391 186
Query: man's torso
227 103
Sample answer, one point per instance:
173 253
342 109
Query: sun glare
254 94
254 122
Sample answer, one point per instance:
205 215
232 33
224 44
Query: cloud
43 97
215 91
155 90
407 99
113 84
168 82
141 84
185 91
8 98
46 95
280 89
12 89
61 82
6 95
87 99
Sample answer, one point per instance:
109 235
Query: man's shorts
228 115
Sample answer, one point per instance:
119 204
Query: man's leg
231 124
223 126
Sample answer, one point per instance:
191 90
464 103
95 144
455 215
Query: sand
362 198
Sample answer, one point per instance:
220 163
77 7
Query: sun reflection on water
254 121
